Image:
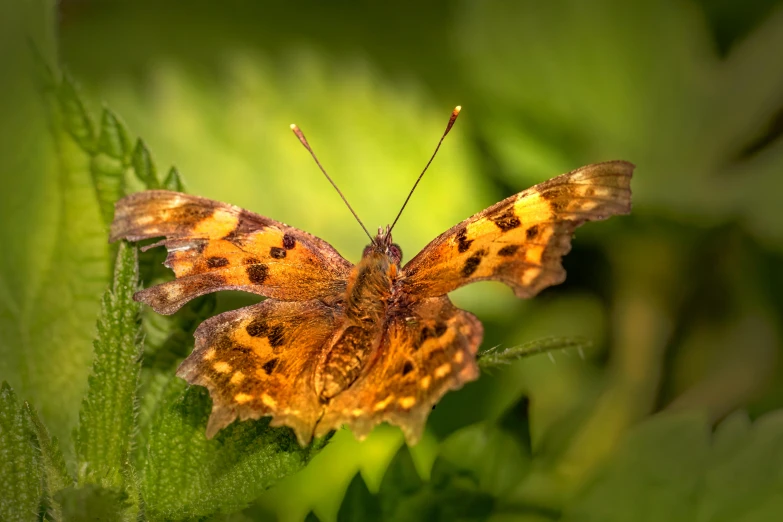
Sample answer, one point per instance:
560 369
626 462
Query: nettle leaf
669 468
62 179
359 504
492 454
494 357
144 166
20 470
186 475
55 262
451 494
311 517
107 415
54 470
109 164
92 502
173 181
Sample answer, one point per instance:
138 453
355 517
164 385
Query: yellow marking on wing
533 254
268 401
222 367
442 370
382 404
209 354
530 275
459 357
237 377
219 224
242 398
425 382
406 402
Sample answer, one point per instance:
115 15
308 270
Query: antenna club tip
293 127
457 109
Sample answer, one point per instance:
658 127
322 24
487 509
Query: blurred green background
683 299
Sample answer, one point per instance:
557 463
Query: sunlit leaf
20 472
669 469
187 475
106 420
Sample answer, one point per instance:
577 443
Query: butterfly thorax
366 303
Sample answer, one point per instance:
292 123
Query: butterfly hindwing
425 352
521 240
260 360
216 246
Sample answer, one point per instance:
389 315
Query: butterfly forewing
521 240
215 246
425 352
260 360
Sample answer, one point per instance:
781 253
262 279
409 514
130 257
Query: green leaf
109 163
173 181
669 469
492 454
451 494
311 517
92 502
20 472
144 167
114 140
493 357
187 475
55 256
400 480
107 415
77 122
55 472
359 505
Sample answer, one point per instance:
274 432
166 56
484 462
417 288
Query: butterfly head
383 245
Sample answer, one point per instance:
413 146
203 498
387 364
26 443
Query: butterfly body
340 344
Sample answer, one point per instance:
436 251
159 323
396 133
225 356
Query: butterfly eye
367 250
395 252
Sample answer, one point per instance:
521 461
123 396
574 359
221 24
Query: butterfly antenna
302 138
452 119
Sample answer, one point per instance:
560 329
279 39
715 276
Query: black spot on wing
257 274
472 263
289 241
507 220
463 243
277 252
270 365
216 262
531 233
407 368
275 336
257 328
508 250
432 332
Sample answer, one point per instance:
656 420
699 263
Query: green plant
686 320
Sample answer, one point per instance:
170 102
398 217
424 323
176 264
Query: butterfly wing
424 353
522 239
260 360
216 246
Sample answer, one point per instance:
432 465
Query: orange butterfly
337 343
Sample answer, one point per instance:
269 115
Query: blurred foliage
681 301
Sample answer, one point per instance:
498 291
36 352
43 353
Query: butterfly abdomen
345 359
366 303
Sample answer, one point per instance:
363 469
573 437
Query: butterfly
340 344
